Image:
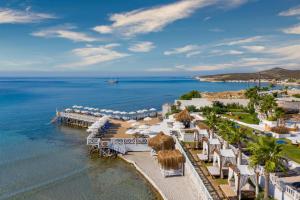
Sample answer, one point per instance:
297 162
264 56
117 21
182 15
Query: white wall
202 102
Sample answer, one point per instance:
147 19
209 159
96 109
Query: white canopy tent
241 174
222 159
209 145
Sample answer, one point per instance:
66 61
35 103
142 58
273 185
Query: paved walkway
172 188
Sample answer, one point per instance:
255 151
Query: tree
190 95
267 153
237 136
253 96
267 104
279 114
212 120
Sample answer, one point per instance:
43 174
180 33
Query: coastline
159 193
244 81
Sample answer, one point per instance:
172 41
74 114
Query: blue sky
146 37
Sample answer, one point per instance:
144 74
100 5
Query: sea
44 161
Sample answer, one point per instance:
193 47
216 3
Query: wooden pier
98 140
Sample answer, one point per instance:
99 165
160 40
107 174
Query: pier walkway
171 188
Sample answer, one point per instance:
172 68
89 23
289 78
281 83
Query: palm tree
237 136
212 120
267 153
267 104
279 114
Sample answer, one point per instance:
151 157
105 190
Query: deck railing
206 194
293 193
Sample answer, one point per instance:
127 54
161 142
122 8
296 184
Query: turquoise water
39 160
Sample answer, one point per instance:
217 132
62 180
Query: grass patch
291 151
244 117
221 181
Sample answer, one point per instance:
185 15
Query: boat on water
112 81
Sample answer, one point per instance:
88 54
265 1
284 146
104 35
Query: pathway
172 188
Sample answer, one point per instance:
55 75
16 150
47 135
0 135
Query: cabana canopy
161 142
184 116
170 159
213 143
227 156
245 172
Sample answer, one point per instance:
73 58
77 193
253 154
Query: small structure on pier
171 162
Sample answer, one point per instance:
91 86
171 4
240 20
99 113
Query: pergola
209 145
239 177
222 159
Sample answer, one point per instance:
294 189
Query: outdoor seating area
114 114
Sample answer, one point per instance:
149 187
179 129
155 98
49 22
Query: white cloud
291 12
254 48
292 30
67 32
151 20
226 52
95 55
10 16
289 53
145 46
188 50
242 41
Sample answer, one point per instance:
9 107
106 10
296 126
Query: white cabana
209 146
222 159
239 177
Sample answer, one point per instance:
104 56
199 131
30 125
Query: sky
147 37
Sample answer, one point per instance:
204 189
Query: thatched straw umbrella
161 142
171 159
184 117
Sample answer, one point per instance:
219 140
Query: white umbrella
131 121
152 109
132 113
79 107
144 126
103 110
75 106
68 109
123 113
131 131
146 132
147 119
135 124
145 110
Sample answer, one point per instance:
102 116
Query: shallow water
39 160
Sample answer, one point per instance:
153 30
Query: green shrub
296 95
190 95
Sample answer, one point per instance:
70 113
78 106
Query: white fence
204 194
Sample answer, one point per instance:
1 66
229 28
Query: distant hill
271 74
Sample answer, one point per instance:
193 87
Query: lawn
243 117
291 151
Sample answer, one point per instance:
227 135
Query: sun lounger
228 192
214 171
202 157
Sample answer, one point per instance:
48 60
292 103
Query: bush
296 95
280 129
190 95
192 108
